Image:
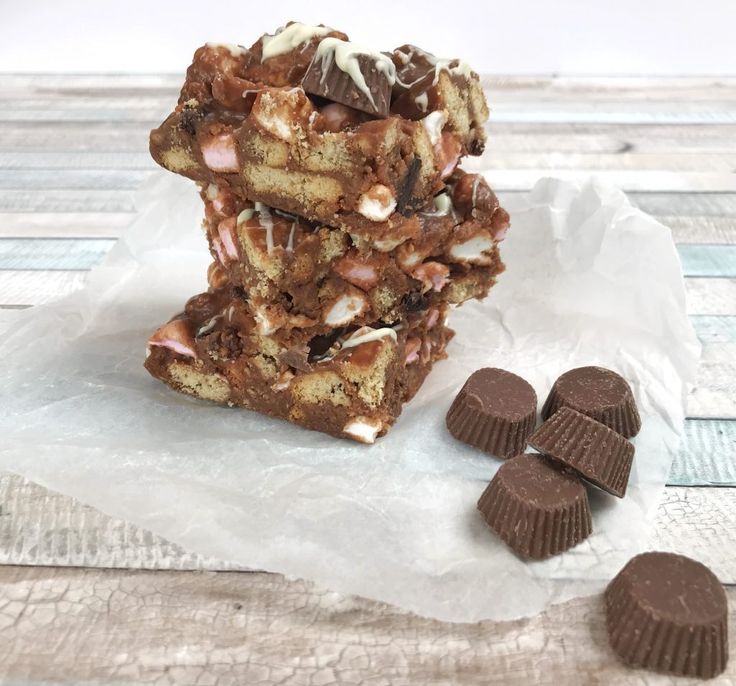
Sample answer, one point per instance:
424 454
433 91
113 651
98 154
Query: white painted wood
104 626
711 296
37 287
89 135
43 528
66 225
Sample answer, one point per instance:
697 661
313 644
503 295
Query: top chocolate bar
312 124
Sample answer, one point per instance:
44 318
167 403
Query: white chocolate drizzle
234 50
422 101
290 242
439 64
368 337
245 215
266 221
345 55
442 206
206 328
475 190
289 38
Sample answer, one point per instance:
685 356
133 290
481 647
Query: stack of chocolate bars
341 228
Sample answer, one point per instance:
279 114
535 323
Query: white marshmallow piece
345 309
474 250
377 203
220 155
363 429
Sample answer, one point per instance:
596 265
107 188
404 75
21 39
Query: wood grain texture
84 253
232 628
685 230
68 225
704 456
72 151
43 528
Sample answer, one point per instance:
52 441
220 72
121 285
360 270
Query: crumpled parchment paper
589 280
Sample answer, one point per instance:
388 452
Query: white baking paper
589 280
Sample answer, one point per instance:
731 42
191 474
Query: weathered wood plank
663 181
43 137
582 112
722 162
84 253
64 225
711 296
682 204
106 626
67 201
53 253
500 179
708 260
510 137
74 179
705 456
713 394
42 527
712 230
52 83
595 138
685 230
46 160
37 287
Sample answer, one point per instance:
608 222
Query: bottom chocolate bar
351 384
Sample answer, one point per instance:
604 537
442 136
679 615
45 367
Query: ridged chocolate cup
599 393
495 411
537 509
668 613
325 79
597 453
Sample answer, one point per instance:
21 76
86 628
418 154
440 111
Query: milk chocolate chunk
537 509
668 613
344 72
495 411
594 451
601 394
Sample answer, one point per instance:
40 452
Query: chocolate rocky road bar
271 121
301 274
350 384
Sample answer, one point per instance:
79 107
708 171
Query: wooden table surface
87 598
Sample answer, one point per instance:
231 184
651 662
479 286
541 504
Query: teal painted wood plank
52 253
708 260
39 253
707 455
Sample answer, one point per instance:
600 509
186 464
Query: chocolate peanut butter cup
537 509
668 613
600 393
495 411
351 75
597 453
